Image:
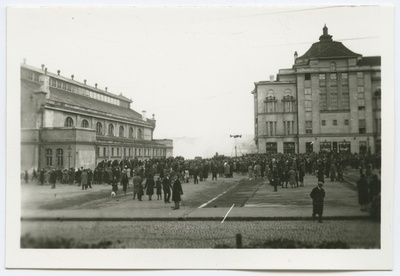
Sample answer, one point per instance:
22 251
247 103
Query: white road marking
227 213
205 204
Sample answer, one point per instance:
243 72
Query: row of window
69 122
343 146
271 106
271 128
115 152
82 91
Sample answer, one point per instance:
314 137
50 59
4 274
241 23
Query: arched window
140 133
85 123
333 66
121 131
110 130
49 157
288 92
270 93
131 132
99 128
69 122
60 157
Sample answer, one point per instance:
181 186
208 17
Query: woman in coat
176 192
363 198
149 186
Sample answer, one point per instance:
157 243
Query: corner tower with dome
330 100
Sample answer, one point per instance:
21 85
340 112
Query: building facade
330 100
68 124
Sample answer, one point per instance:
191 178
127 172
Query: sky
193 68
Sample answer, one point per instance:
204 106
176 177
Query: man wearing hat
318 195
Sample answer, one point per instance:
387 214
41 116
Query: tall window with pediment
121 131
69 122
99 128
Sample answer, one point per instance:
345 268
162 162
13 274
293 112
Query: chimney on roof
84 81
271 77
42 66
106 89
144 115
153 116
58 72
72 77
45 71
95 85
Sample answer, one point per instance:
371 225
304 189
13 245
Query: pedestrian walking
149 186
84 179
53 178
41 176
318 194
176 192
166 184
363 198
124 182
158 188
26 177
137 186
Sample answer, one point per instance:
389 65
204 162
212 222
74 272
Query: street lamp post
69 157
236 136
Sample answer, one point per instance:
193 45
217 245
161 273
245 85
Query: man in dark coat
318 194
149 186
166 183
53 178
176 192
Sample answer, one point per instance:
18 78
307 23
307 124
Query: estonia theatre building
65 124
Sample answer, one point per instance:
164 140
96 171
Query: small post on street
239 240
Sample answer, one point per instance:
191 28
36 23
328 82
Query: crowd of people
163 174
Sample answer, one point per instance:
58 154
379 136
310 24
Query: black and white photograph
200 137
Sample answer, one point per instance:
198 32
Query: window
333 66
309 147
131 132
325 146
98 151
64 86
110 130
117 151
344 146
49 157
321 77
271 107
135 152
322 98
309 127
121 131
363 146
324 122
307 91
346 122
140 134
69 122
344 76
104 151
99 128
335 122
333 99
332 76
307 76
288 147
307 105
60 157
361 126
289 127
85 124
289 106
361 98
345 99
130 152
272 147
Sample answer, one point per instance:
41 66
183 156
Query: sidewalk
262 205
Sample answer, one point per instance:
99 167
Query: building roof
327 48
93 104
71 81
370 61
